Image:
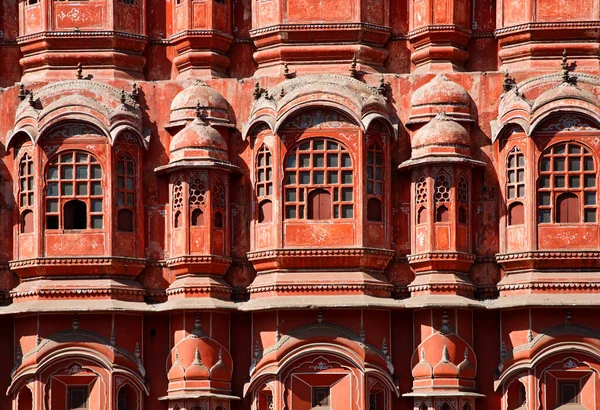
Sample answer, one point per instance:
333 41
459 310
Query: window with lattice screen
78 398
568 392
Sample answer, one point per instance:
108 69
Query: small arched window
74 192
516 213
197 184
462 191
421 199
567 185
443 184
126 187
264 184
177 203
218 219
25 399
422 215
375 172
127 398
321 167
26 192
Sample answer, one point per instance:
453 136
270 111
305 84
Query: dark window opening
374 212
568 393
522 394
422 215
127 398
442 214
320 396
52 222
197 217
177 221
78 398
218 219
27 222
319 204
567 209
462 215
25 399
466 406
265 211
125 220
423 406
516 214
445 406
75 214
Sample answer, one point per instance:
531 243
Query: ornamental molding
591 25
199 290
320 27
454 256
200 33
438 28
569 122
197 260
547 255
70 261
551 286
335 252
90 34
442 287
319 288
78 292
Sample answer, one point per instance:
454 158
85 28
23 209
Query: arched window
197 197
374 182
321 169
127 398
74 193
218 196
421 199
463 200
442 197
177 203
25 399
567 185
26 193
515 186
264 184
126 188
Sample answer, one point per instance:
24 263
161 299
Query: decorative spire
503 352
466 354
320 316
134 91
123 96
198 332
566 75
282 92
113 339
353 71
529 336
31 100
75 322
384 347
257 91
423 355
176 357
445 355
197 359
286 72
445 328
363 337
256 350
137 351
22 92
277 334
381 88
198 110
568 317
79 71
220 354
509 83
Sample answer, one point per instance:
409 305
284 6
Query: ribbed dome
213 106
201 357
441 135
198 141
422 369
437 95
176 372
445 368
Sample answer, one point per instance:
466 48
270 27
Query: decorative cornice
550 286
581 25
442 287
547 255
78 293
252 256
76 260
200 33
438 28
197 260
319 27
451 256
84 34
198 290
302 288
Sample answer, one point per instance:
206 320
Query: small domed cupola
441 136
440 94
214 108
198 141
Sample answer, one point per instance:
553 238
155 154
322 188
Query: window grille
78 398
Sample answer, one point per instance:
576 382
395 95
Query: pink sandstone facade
299 204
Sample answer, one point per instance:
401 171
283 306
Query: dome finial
445 355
